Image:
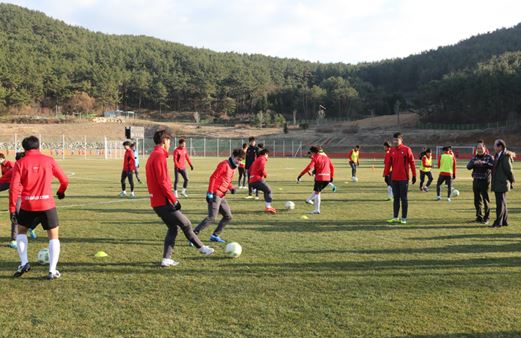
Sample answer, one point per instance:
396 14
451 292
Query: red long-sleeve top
31 180
324 169
258 169
401 160
159 182
221 179
181 157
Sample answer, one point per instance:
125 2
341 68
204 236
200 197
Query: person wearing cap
481 165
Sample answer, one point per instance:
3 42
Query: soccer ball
43 256
290 205
455 193
233 250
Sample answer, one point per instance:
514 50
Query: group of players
31 200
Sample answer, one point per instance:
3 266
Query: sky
321 30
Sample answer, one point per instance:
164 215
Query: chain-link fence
77 147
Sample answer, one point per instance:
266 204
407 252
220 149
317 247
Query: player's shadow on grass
319 225
129 210
489 235
450 249
499 334
112 241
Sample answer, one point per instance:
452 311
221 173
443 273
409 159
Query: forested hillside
46 63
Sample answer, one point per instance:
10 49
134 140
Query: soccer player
136 158
426 170
251 154
387 178
180 158
447 166
32 178
5 164
220 183
242 170
129 167
164 202
481 165
5 182
354 161
401 161
258 174
324 173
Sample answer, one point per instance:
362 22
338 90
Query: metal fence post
85 143
230 147
283 148
217 148
204 147
63 146
106 147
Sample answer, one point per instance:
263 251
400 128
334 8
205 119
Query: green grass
344 273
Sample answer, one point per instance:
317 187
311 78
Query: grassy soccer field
344 273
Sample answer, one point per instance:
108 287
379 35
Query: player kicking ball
324 172
220 183
32 178
129 167
164 202
258 174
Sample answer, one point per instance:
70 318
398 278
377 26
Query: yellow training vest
428 160
354 156
446 163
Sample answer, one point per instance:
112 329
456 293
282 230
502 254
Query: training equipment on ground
289 205
100 254
43 256
233 250
304 217
455 193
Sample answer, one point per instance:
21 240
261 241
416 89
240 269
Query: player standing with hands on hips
32 178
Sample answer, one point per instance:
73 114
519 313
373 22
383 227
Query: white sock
390 191
330 184
268 205
312 196
21 242
54 254
317 202
184 191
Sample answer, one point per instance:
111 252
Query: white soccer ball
43 256
290 205
233 250
455 193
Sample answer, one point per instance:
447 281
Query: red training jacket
32 178
387 159
159 182
324 169
129 160
401 160
221 179
181 157
7 177
258 169
6 167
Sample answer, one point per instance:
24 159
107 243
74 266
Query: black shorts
319 186
30 219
